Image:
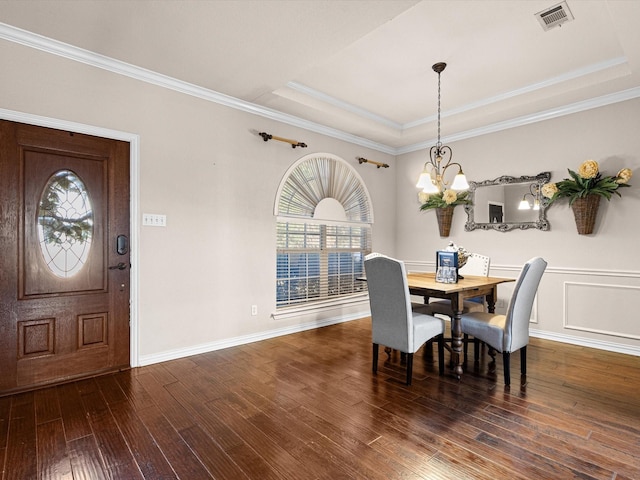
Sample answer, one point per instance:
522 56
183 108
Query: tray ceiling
363 68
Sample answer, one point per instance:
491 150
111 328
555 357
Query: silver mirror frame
541 223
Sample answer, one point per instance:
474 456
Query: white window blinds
321 258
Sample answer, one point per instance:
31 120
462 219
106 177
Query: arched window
323 231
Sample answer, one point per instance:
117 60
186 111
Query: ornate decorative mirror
508 203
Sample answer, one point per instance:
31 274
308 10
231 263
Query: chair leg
506 359
441 354
403 358
465 341
523 360
375 358
409 367
476 350
428 348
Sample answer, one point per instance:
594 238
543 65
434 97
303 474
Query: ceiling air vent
554 16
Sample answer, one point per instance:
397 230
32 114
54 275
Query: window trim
300 191
297 163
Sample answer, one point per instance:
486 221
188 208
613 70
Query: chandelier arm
450 164
444 152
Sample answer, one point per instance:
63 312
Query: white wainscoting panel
602 308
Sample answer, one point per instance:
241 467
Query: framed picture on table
446 266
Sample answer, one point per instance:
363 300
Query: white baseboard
243 340
587 342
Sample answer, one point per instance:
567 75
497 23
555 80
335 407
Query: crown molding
575 74
582 72
65 50
550 114
61 49
348 107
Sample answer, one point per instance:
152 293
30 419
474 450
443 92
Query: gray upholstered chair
393 323
509 333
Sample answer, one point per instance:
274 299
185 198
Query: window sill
323 306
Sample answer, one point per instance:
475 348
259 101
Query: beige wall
592 281
201 165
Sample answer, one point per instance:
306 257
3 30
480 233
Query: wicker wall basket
444 220
585 211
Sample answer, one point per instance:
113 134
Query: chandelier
432 178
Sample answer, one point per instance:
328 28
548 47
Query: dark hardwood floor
306 406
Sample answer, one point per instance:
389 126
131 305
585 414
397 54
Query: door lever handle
120 266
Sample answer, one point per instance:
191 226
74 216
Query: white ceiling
363 68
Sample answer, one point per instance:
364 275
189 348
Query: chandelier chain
439 142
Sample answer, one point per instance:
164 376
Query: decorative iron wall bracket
377 164
294 143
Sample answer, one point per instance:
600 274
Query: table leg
491 300
456 336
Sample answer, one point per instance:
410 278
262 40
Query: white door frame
134 181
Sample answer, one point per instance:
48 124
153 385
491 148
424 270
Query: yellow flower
449 196
549 189
423 197
588 169
624 175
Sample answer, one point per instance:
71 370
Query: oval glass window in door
65 223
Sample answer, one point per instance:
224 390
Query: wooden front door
64 256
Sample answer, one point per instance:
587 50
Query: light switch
154 220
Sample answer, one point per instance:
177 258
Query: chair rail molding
429 266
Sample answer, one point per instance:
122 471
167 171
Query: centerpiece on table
584 190
449 261
443 203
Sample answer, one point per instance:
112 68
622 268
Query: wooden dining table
425 285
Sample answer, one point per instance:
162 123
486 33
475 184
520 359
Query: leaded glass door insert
65 224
